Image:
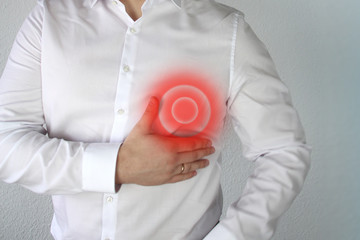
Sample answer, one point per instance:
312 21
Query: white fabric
79 77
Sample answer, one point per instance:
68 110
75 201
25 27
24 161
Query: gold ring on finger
182 168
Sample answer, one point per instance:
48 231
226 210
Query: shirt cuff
220 232
99 167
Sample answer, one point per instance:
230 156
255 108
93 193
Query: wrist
120 176
117 173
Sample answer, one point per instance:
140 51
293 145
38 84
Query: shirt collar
176 2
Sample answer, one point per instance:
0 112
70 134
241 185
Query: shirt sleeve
27 155
271 136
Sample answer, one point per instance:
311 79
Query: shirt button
126 68
121 111
109 199
115 2
132 30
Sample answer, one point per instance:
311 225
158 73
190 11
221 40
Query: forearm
55 166
269 192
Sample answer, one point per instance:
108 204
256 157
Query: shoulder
224 9
210 7
210 10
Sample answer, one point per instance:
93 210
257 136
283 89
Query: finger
188 157
150 114
190 167
180 169
190 144
182 177
198 164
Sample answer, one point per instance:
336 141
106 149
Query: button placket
109 216
126 75
127 67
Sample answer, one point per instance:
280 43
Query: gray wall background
315 47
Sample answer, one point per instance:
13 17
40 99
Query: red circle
203 90
176 126
185 110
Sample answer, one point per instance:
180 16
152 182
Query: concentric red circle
185 110
190 104
184 122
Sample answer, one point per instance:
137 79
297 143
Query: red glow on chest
184 110
189 105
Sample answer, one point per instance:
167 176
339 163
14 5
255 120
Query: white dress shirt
79 77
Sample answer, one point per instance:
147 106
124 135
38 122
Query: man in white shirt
87 83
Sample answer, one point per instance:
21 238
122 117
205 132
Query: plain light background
315 45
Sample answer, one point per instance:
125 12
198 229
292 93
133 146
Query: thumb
150 114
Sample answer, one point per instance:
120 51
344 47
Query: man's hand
149 159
